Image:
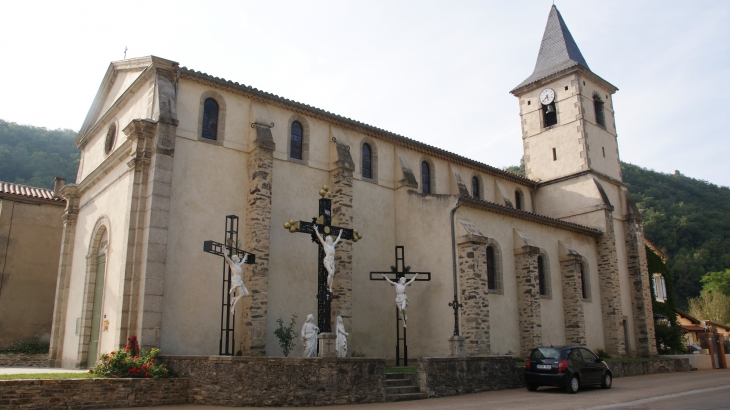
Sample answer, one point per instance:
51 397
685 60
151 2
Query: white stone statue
329 255
341 342
401 300
236 266
309 336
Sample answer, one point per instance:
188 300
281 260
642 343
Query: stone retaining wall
23 360
90 393
267 381
638 368
450 376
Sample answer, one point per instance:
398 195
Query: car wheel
573 385
531 386
607 381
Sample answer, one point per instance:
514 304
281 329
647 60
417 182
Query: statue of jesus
401 300
236 277
329 255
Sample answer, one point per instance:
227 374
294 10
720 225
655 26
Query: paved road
701 390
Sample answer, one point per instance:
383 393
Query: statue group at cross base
310 331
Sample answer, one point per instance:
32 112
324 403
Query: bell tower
567 113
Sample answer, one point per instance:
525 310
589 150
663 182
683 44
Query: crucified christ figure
236 265
401 300
329 255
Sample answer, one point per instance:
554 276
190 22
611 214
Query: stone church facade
168 152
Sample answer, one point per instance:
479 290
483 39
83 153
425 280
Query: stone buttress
342 216
258 241
528 293
645 338
473 290
610 288
572 281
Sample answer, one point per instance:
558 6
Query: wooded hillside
35 156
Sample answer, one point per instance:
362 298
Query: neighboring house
715 327
30 243
690 327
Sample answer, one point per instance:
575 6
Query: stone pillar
254 309
341 182
55 354
473 287
146 253
610 287
645 338
528 294
575 327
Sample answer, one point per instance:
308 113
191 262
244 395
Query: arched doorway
98 270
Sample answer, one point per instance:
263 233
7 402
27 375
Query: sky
437 72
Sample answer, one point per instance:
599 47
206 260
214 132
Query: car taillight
527 364
562 365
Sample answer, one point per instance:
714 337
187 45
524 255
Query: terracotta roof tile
9 188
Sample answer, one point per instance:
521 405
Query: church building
168 152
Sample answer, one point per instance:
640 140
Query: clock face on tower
547 96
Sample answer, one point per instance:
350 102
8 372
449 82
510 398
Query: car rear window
545 353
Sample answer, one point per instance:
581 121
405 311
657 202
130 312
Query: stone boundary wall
278 381
23 360
450 376
626 369
90 393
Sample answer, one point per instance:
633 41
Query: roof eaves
531 216
24 192
357 125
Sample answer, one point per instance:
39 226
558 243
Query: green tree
714 306
35 156
668 334
717 282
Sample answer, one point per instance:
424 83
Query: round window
111 137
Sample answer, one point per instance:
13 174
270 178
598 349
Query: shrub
286 335
132 363
27 346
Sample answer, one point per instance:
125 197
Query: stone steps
401 387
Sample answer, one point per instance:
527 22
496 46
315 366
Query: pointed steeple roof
558 50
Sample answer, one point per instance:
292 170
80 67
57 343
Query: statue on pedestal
309 336
401 300
329 255
236 266
341 343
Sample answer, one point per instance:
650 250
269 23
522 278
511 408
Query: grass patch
48 376
520 364
401 369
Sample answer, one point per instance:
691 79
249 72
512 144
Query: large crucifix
237 257
400 270
321 226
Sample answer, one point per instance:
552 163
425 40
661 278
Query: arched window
367 161
519 203
111 137
584 280
297 135
541 275
425 178
210 119
475 188
598 107
491 269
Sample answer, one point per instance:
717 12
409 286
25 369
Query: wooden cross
324 225
400 270
227 340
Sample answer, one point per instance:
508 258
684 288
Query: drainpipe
455 303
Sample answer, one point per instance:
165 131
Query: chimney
58 184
